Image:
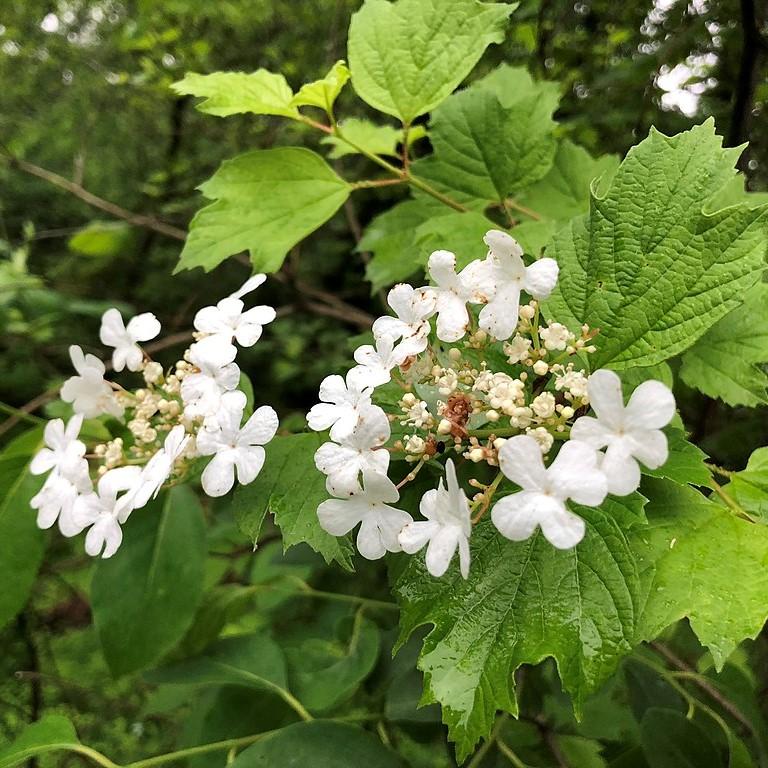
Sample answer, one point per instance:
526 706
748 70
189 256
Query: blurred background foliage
85 104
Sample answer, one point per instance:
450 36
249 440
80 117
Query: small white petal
651 406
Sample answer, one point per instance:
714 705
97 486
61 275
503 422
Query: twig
137 219
702 683
477 758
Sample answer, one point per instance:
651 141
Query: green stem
477 758
181 754
305 589
506 750
404 175
730 502
510 202
19 414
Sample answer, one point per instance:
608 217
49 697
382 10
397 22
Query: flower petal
452 318
574 475
441 549
251 284
516 516
339 516
621 471
415 535
604 389
651 406
219 476
260 427
589 430
520 460
500 316
249 462
143 327
649 446
541 278
562 528
112 332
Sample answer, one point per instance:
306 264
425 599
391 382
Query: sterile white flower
413 307
234 448
453 291
63 452
356 453
114 333
342 401
201 391
89 394
629 434
227 320
541 502
510 276
56 501
370 506
447 527
157 470
103 511
375 364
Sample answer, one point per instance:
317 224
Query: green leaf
648 266
323 93
726 361
266 201
253 660
586 607
22 543
523 601
376 139
407 56
325 671
389 237
291 488
670 740
323 743
103 239
750 486
49 734
144 598
564 192
461 233
490 144
685 463
233 93
690 535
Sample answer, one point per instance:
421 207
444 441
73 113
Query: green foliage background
90 100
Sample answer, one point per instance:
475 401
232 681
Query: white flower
541 502
123 338
63 452
369 505
56 501
157 470
89 394
413 307
629 434
358 452
201 391
510 276
342 402
234 447
555 336
454 291
543 405
517 350
227 320
103 511
375 364
447 527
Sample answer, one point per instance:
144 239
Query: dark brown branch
137 219
749 66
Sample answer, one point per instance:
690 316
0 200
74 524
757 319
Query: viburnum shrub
507 438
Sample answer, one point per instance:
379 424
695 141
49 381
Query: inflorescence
167 426
499 387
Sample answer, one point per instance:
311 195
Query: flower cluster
493 385
166 427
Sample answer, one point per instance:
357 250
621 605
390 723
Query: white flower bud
498 442
444 427
153 373
415 444
476 455
527 312
540 368
492 415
